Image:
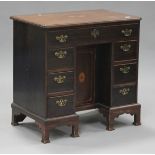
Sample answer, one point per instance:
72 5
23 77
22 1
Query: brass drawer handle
95 33
61 102
127 32
60 54
62 38
59 79
124 91
125 47
125 69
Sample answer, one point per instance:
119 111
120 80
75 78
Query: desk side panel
29 68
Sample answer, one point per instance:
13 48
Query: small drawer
66 37
125 32
60 82
125 50
60 58
124 95
125 73
61 105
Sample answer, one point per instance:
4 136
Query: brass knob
61 54
61 102
62 38
125 47
59 79
95 33
124 91
125 69
127 32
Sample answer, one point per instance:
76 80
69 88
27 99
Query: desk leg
75 131
17 117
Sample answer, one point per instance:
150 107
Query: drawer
60 58
125 73
124 95
60 82
125 50
123 32
68 37
61 105
92 35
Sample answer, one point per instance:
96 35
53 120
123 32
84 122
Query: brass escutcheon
61 54
62 38
125 47
61 102
127 32
59 79
125 69
95 33
124 91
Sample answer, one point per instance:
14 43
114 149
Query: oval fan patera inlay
82 77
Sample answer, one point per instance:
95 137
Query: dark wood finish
61 105
124 94
84 35
64 64
19 113
125 50
29 68
125 73
85 76
110 113
55 63
61 81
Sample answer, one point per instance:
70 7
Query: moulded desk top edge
74 18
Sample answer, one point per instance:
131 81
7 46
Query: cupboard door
85 76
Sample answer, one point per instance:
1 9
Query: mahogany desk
72 61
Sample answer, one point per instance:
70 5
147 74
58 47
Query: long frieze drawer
124 95
60 58
125 73
61 105
60 82
125 50
93 35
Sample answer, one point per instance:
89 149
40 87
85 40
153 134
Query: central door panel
85 76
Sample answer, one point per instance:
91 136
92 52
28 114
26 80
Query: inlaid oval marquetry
82 77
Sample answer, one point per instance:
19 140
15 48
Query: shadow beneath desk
93 129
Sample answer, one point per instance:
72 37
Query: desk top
74 18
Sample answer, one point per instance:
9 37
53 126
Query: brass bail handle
125 69
61 54
124 91
62 38
61 102
60 79
95 33
127 32
125 47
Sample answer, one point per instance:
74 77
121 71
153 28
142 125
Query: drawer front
61 105
59 82
125 73
125 50
124 95
124 32
92 35
60 58
68 37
